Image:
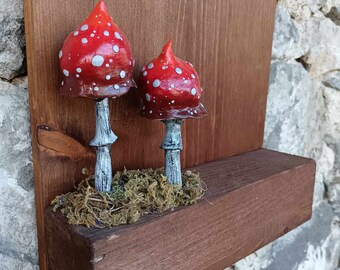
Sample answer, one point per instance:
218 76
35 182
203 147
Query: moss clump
135 193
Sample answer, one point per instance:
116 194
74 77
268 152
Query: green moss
135 193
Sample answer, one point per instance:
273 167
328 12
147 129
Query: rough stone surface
286 40
323 56
18 244
332 79
291 91
334 15
303 118
12 41
10 263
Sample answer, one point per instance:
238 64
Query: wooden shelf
252 199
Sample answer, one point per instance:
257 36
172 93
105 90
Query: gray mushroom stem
172 145
102 141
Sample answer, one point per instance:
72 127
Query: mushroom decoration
170 91
96 62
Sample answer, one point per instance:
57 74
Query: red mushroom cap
170 88
96 59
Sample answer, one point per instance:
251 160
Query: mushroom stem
102 141
172 145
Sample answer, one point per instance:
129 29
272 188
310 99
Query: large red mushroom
170 91
96 62
96 59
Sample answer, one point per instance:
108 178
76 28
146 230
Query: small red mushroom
170 88
96 59
96 62
170 91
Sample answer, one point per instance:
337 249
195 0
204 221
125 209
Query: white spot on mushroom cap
150 66
109 24
60 54
178 70
66 72
172 86
116 86
156 83
164 67
193 76
150 111
77 75
97 60
110 60
106 33
107 65
122 74
84 40
84 27
76 33
147 97
115 48
193 91
92 35
62 83
145 73
172 101
117 35
108 77
96 88
78 70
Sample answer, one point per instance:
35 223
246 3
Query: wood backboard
228 41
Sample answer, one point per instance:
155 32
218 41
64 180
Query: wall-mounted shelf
252 199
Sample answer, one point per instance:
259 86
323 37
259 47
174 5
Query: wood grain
252 199
229 42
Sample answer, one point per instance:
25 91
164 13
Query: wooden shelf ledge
252 199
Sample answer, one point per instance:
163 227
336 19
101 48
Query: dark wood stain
228 41
252 199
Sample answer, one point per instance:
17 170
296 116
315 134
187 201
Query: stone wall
303 118
18 243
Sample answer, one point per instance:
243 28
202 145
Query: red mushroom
170 91
96 59
96 62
